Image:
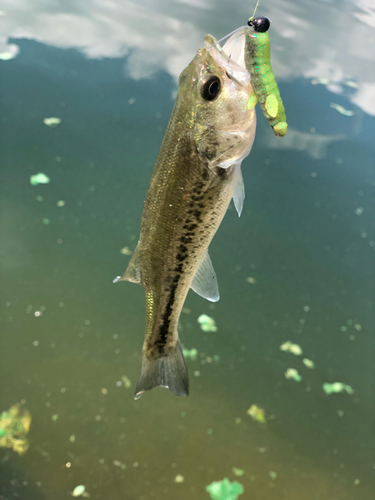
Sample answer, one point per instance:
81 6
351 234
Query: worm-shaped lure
258 63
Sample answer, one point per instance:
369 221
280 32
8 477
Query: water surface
305 239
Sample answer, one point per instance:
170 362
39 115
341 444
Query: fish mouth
231 56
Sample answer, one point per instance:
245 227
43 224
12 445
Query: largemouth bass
197 173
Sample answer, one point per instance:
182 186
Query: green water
305 238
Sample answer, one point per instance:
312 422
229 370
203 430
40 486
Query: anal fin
205 282
133 271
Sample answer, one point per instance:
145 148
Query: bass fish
197 173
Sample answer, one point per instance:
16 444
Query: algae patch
39 178
14 427
292 374
53 121
207 324
225 490
292 348
337 387
257 414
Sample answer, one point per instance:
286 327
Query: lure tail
166 369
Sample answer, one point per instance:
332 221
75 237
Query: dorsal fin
204 282
133 271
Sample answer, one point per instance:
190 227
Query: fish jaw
231 55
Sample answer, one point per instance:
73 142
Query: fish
197 173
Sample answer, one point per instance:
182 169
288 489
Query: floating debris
290 347
12 51
293 374
350 83
320 81
14 427
118 463
341 109
273 475
207 324
358 211
54 418
72 438
225 490
308 363
61 203
337 387
238 472
257 414
126 381
190 353
52 121
46 221
39 179
179 479
126 251
79 490
7 56
251 280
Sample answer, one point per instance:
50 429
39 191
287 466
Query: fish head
216 94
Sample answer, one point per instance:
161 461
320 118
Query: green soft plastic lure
258 63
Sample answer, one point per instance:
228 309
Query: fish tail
167 369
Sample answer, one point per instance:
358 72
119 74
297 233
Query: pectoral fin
238 189
133 271
205 282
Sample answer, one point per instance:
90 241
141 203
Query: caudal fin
168 370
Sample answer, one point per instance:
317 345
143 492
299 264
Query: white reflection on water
314 144
309 39
151 37
367 15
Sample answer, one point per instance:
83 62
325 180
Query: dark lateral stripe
194 212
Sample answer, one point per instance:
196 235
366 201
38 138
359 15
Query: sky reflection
309 39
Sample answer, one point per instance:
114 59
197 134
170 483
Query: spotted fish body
196 175
258 63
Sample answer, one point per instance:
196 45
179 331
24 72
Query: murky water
298 265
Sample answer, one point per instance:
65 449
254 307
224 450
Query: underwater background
297 266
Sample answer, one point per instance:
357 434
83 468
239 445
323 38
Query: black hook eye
260 24
211 88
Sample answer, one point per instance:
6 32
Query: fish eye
260 24
211 88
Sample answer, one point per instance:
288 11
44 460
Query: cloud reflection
309 39
313 144
154 38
